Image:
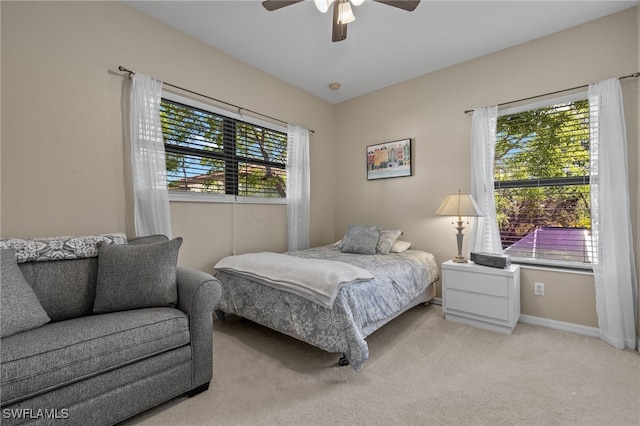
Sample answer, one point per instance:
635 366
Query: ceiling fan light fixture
323 5
342 12
345 15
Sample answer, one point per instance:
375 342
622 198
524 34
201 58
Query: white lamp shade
459 205
323 5
357 2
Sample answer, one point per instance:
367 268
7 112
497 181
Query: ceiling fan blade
339 32
272 5
408 5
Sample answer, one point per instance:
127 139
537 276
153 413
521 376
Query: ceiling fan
342 13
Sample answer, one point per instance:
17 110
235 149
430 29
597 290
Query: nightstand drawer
477 283
478 304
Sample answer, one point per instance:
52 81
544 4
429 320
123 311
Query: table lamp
459 205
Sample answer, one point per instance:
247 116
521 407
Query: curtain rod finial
123 69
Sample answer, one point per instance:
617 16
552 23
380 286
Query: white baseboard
549 323
561 325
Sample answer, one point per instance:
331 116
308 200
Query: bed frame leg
343 361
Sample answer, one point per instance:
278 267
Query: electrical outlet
538 289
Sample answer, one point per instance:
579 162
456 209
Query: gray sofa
97 352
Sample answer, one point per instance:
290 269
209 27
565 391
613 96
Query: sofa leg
199 389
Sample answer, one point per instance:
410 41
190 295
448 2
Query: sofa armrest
198 295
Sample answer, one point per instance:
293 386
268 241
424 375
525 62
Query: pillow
400 246
136 276
20 309
387 238
361 239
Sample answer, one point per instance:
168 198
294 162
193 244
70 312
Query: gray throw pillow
386 241
20 309
361 239
136 276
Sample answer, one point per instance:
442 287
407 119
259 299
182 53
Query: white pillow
400 246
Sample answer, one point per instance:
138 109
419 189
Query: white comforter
317 280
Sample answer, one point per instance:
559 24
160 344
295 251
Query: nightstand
481 296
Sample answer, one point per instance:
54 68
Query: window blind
213 153
542 188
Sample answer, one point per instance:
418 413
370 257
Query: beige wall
430 108
63 168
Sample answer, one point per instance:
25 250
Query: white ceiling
385 45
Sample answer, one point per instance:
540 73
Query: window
217 152
542 192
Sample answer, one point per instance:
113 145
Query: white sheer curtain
614 266
148 167
298 187
485 236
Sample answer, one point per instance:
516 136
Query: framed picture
389 159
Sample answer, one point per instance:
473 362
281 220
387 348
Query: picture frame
389 159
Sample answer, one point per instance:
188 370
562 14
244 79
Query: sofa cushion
20 309
136 276
66 288
65 352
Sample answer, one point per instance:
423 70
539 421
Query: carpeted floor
422 370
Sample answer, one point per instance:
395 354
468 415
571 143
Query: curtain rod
634 75
239 108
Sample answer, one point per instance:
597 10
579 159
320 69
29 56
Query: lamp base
459 236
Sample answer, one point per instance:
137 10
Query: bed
400 281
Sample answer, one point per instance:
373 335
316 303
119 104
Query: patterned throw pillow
20 309
57 248
361 239
136 276
386 241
